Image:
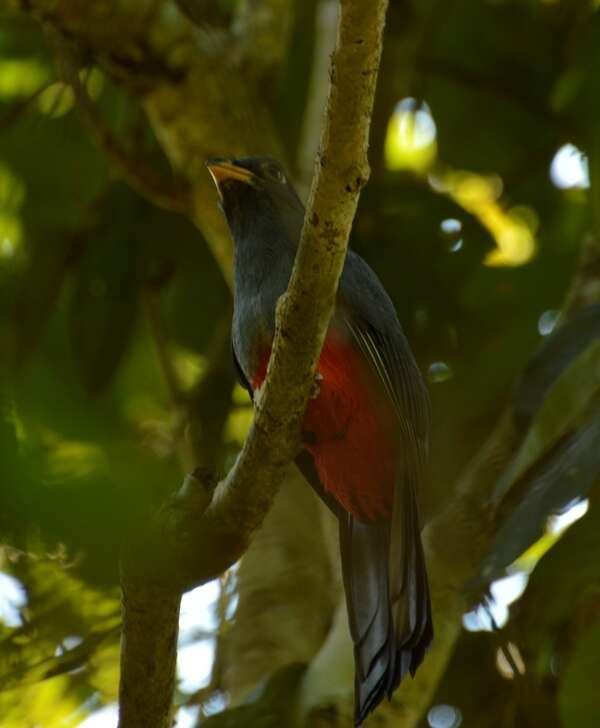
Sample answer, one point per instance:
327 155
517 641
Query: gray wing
388 600
241 377
370 317
391 359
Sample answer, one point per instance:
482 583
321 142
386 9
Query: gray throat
261 274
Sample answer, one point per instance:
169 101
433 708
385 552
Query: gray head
258 199
265 218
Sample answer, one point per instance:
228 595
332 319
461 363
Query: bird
365 429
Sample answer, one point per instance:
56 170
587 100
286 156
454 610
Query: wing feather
392 361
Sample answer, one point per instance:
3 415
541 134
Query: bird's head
255 191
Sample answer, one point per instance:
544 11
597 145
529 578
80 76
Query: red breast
349 431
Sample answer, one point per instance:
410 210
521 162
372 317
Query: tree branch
304 312
190 542
19 107
148 657
174 196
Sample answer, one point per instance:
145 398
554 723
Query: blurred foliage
114 370
270 706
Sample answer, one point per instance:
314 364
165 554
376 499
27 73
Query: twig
19 107
48 667
204 14
175 197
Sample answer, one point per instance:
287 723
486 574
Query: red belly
349 432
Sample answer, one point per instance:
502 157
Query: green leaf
270 706
105 299
579 697
565 405
38 292
553 357
594 164
566 475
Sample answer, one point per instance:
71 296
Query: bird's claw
316 386
257 396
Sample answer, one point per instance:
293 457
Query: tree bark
148 656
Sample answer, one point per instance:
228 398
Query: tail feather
387 594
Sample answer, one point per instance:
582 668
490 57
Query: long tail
387 594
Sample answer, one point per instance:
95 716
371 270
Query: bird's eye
274 171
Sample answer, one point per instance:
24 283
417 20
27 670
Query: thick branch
305 311
148 657
342 170
187 542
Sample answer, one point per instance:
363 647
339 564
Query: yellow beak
221 170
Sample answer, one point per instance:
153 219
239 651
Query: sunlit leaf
21 77
70 459
410 138
56 100
238 423
512 230
51 704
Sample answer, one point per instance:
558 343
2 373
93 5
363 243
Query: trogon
364 433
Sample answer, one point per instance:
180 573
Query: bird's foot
316 386
257 396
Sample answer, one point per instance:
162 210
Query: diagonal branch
193 538
173 195
304 312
